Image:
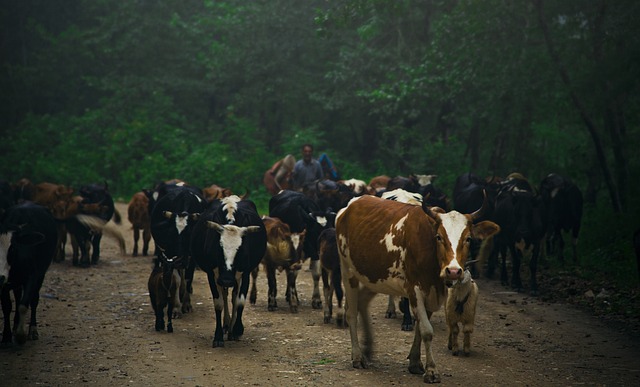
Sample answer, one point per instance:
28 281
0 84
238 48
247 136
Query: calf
138 212
331 275
214 192
166 284
228 242
403 250
284 252
28 239
460 308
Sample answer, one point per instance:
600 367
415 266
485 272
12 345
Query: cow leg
425 330
32 297
146 238
188 277
351 286
62 241
327 288
136 236
365 296
454 330
218 335
391 308
337 286
316 301
516 258
239 299
407 319
95 253
560 243
225 307
5 299
467 329
294 302
533 268
253 293
272 303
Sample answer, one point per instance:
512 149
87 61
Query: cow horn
477 214
252 229
167 214
215 226
246 194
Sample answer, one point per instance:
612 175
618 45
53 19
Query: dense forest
134 92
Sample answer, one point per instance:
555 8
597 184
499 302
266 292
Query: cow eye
438 237
468 240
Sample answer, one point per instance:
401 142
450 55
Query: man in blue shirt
306 170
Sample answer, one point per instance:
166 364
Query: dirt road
97 328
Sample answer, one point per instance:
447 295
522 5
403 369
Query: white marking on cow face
231 240
426 179
230 206
181 223
454 224
387 239
321 220
295 240
5 242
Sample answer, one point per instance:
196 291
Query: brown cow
138 211
404 250
214 192
284 252
379 183
57 198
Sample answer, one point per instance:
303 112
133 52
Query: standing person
306 170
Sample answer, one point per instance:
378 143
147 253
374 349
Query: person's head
307 152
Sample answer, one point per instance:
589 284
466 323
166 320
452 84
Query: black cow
563 201
228 243
302 213
172 221
328 194
6 196
521 216
422 184
98 194
28 237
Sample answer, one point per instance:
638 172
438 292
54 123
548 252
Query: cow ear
194 216
29 238
485 229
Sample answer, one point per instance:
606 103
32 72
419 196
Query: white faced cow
403 250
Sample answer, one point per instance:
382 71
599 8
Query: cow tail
99 225
116 216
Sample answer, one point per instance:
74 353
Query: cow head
231 243
454 233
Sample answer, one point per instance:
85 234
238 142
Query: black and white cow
302 213
99 194
28 237
228 243
172 221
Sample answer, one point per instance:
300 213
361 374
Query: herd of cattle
398 236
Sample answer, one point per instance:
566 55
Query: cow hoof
169 328
416 369
407 327
534 293
316 304
272 308
33 334
187 308
390 315
455 353
431 377
467 353
360 364
134 254
218 344
21 339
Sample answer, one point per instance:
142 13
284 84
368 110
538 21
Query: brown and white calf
460 308
284 252
403 250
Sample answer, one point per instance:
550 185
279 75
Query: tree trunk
591 127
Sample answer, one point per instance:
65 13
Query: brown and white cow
403 250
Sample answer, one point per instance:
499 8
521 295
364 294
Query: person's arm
319 172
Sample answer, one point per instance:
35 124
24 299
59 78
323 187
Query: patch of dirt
97 328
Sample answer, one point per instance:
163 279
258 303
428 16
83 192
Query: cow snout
453 274
226 282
